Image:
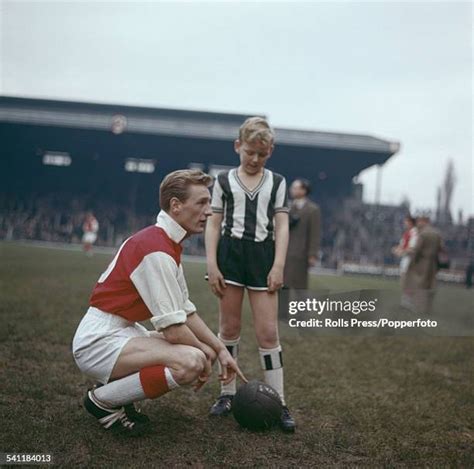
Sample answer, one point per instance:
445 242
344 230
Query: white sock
272 366
233 348
172 384
127 390
121 392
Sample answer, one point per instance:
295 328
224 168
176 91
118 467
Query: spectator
305 234
90 228
421 274
405 247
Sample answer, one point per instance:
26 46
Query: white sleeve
281 199
95 226
217 204
413 239
188 304
157 280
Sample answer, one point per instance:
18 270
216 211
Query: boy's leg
265 317
230 311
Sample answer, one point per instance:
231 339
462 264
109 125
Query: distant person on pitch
423 267
403 250
144 281
246 241
90 228
305 234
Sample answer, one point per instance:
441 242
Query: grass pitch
358 401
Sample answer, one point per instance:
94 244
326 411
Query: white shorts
98 341
89 237
404 264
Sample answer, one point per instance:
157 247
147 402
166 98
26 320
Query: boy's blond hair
176 184
256 129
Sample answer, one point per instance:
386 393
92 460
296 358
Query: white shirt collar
299 203
172 228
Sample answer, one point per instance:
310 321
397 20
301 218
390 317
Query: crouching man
145 280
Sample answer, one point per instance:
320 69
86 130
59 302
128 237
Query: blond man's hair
256 129
176 184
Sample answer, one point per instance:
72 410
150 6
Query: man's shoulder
436 233
312 206
430 231
151 239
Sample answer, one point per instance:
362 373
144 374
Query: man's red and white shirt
145 280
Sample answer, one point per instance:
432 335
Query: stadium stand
61 159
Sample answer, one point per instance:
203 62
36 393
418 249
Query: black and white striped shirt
249 214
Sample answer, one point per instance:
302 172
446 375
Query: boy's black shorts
245 263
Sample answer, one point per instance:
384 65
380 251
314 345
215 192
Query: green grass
358 401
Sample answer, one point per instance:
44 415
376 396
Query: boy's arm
211 238
275 277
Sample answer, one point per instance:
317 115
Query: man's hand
205 375
216 281
229 367
201 381
211 357
275 279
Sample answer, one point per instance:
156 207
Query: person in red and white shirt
90 228
404 250
145 280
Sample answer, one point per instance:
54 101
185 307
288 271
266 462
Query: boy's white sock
272 366
233 347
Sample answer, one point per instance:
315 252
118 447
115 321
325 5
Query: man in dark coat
421 274
305 234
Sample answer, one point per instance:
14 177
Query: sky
400 71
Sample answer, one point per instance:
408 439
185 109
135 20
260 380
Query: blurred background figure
469 273
305 235
423 267
470 255
403 250
90 227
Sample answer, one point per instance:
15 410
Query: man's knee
190 365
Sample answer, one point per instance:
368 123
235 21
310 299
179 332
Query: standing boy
246 242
